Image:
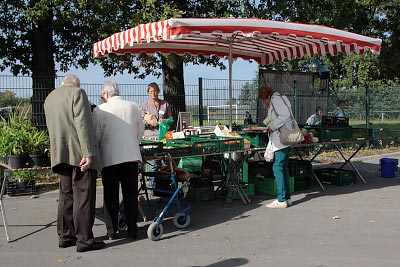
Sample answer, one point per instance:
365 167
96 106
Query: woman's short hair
154 86
265 92
110 87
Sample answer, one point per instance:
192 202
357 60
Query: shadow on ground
213 212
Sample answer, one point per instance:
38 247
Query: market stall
265 41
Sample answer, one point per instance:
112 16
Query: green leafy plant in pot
14 139
36 147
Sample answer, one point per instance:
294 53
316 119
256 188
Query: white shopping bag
269 153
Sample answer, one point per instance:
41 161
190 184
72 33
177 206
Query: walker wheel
181 220
153 233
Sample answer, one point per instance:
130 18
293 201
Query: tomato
168 135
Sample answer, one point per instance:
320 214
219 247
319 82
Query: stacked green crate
267 185
260 168
334 134
336 176
330 133
301 170
261 175
199 194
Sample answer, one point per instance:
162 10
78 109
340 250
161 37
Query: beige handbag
289 136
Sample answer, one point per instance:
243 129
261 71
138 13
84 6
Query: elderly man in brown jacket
75 158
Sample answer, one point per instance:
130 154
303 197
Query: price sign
183 116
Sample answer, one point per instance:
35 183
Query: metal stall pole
295 99
200 101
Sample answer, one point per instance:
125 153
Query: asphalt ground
353 225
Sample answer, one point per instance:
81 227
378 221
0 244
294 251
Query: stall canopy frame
264 41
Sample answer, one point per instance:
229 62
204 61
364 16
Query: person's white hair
71 79
110 87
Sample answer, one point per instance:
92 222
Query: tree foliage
41 37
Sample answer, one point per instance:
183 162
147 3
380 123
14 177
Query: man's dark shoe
66 244
94 246
112 236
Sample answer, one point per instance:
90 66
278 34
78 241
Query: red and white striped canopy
265 41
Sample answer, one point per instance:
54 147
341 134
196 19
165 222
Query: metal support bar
3 212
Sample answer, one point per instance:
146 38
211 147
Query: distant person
154 110
119 130
315 119
75 158
247 118
339 110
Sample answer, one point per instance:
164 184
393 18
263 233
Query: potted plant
14 139
37 144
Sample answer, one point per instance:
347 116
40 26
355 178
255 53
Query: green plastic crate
201 193
301 184
256 139
191 164
336 176
149 148
227 144
260 168
300 168
195 144
334 134
267 185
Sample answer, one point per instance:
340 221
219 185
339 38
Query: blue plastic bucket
388 167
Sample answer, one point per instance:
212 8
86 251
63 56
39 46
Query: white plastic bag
269 153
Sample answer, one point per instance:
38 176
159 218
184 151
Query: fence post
200 101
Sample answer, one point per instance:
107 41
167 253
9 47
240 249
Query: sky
241 70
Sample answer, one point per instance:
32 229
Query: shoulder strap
273 108
290 111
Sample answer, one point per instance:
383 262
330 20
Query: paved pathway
355 225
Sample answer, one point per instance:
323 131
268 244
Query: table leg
3 211
347 160
232 170
316 178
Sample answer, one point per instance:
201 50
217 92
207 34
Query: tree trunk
43 67
173 82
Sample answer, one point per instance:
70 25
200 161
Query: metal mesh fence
208 101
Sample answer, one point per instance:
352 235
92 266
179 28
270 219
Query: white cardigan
283 118
119 129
